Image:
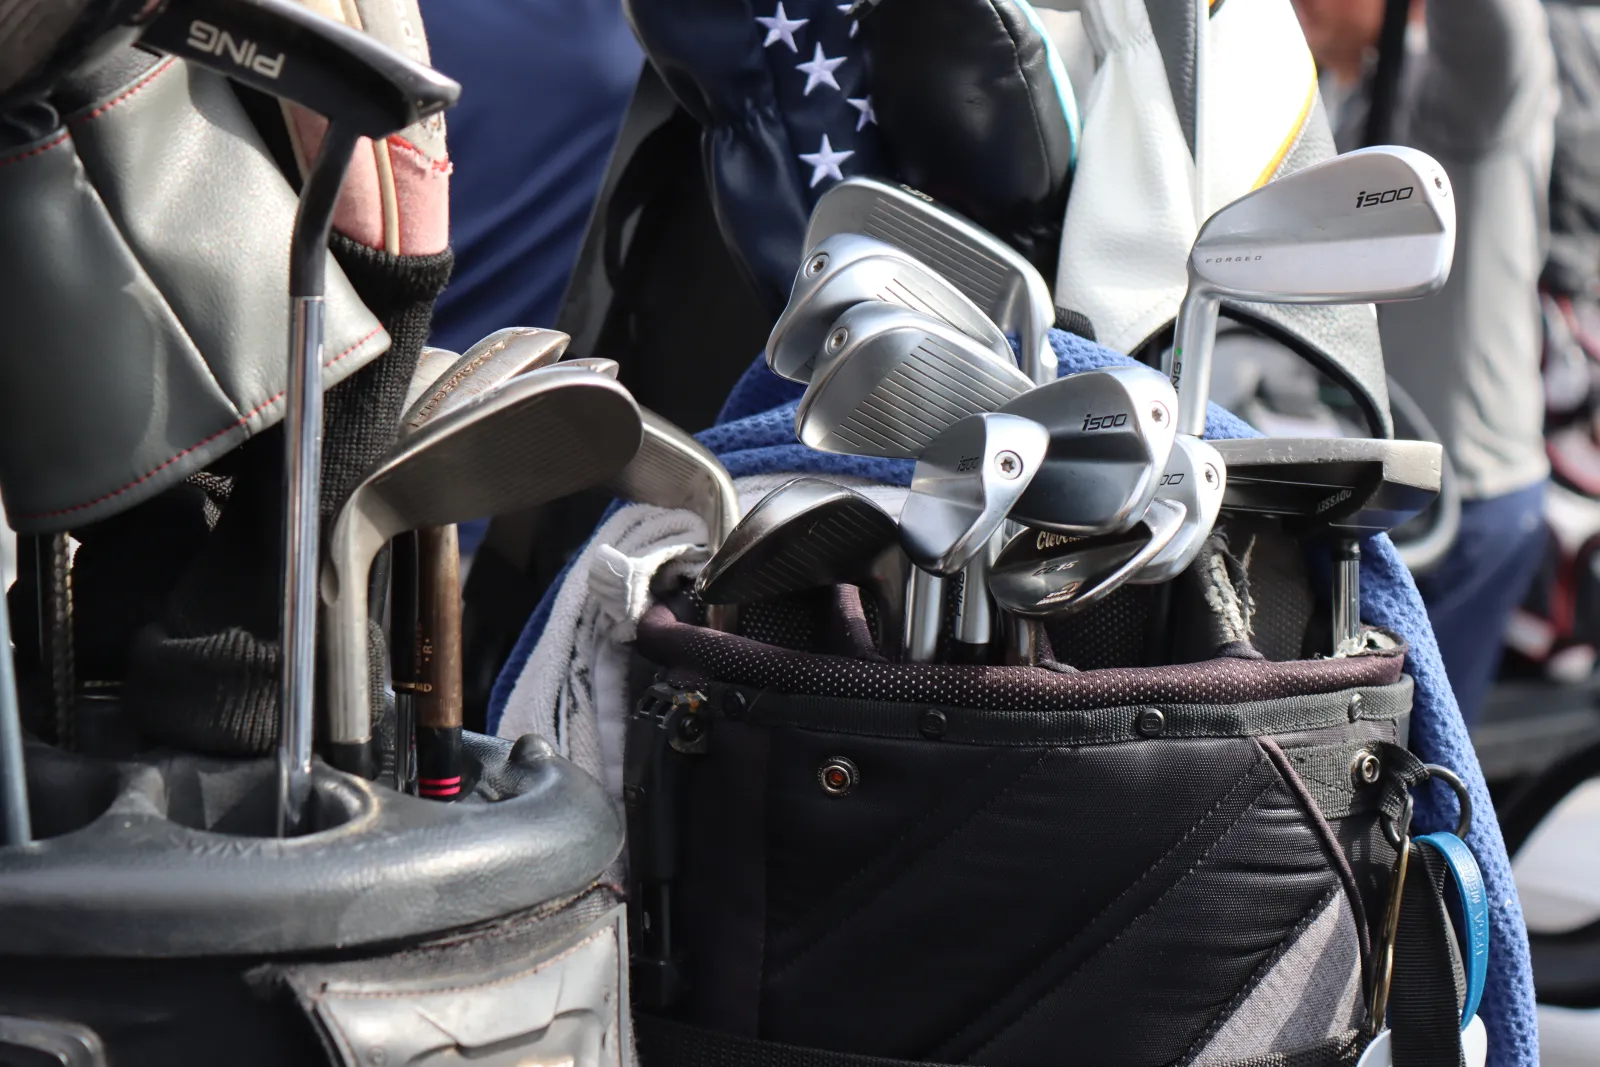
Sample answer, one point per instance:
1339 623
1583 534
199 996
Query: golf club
807 533
1345 487
964 485
673 470
890 380
848 268
499 356
598 364
1195 477
1371 225
995 276
431 366
1111 433
481 459
437 697
1041 573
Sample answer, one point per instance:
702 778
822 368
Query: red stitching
35 150
197 445
440 165
156 71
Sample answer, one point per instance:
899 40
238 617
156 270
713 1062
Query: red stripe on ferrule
439 787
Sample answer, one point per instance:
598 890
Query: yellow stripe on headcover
1294 135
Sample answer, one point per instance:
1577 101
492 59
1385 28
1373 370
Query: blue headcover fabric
755 435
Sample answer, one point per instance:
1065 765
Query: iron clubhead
964 486
1376 224
806 533
1111 433
1040 573
995 276
487 365
890 380
1341 485
1196 477
848 268
432 363
536 438
597 364
673 470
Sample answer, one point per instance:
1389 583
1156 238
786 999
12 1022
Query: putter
1345 487
848 268
890 380
1041 573
1376 224
807 533
1196 477
673 470
502 355
480 459
15 823
995 276
1111 433
964 486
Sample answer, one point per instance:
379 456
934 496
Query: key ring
1463 798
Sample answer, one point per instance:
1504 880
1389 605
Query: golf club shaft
1189 362
14 821
302 424
974 627
404 635
924 616
438 693
56 620
1347 597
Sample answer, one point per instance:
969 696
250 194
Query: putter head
847 268
1348 486
1196 477
1111 433
1371 225
597 364
806 533
1040 573
964 486
487 365
284 49
993 275
673 470
536 438
890 380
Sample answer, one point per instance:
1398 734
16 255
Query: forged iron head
890 380
1376 224
431 366
597 364
1040 573
488 364
995 276
1195 477
1111 432
964 486
848 268
536 438
673 470
1341 485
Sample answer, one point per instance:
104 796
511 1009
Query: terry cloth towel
556 664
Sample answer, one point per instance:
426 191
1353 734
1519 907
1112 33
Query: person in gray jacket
1477 92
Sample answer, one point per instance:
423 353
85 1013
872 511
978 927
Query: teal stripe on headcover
1058 74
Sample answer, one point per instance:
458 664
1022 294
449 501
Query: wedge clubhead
597 364
1341 487
1376 224
1195 477
964 486
890 380
1111 433
432 363
502 355
536 438
808 533
1041 573
849 268
995 276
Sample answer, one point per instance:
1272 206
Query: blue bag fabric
756 436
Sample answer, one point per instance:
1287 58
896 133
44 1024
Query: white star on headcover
824 162
844 9
780 27
863 105
819 71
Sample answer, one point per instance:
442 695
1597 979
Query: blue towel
756 435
